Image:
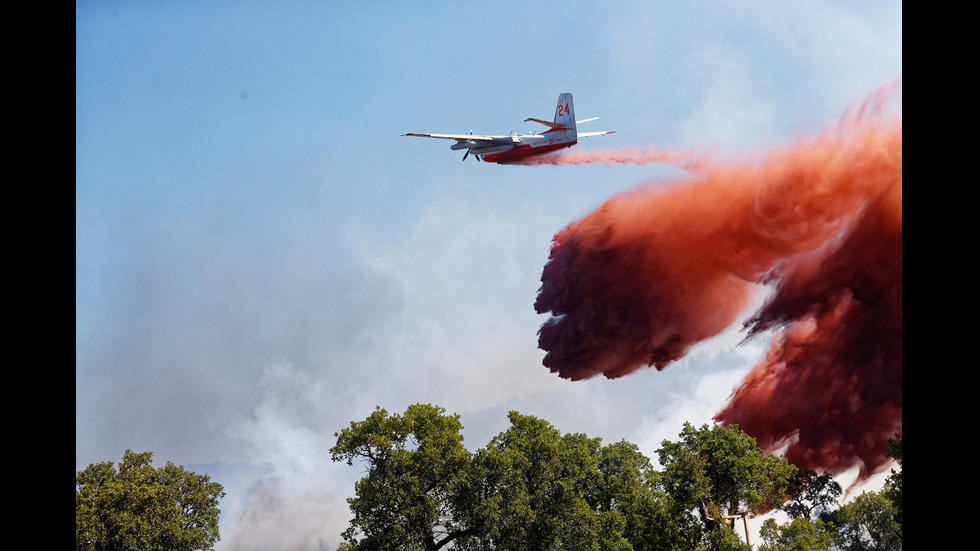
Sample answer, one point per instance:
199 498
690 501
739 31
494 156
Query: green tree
547 490
868 523
800 534
418 492
722 539
532 487
141 507
719 471
893 486
630 486
811 494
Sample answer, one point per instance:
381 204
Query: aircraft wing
457 137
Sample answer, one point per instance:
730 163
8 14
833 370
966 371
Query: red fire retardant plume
831 384
654 271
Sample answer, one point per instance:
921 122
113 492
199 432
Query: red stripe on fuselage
523 152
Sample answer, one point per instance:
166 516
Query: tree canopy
140 507
547 490
719 471
532 487
417 491
870 522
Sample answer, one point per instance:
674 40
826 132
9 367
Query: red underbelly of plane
523 152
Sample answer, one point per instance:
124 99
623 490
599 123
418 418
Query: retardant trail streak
653 271
627 155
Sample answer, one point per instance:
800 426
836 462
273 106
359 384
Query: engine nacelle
462 145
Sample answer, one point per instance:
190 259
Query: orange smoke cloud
652 272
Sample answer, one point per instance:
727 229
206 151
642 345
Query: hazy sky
261 258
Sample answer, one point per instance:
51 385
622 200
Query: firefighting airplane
512 148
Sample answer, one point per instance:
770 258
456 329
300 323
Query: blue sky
261 258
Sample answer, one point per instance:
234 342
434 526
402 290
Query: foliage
893 486
868 524
631 486
810 493
797 535
720 471
723 539
549 489
417 493
532 487
140 507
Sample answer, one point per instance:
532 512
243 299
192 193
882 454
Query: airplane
512 148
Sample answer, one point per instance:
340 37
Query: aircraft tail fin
564 128
565 116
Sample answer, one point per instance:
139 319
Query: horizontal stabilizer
587 120
587 134
549 124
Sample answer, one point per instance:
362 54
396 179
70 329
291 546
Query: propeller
467 154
